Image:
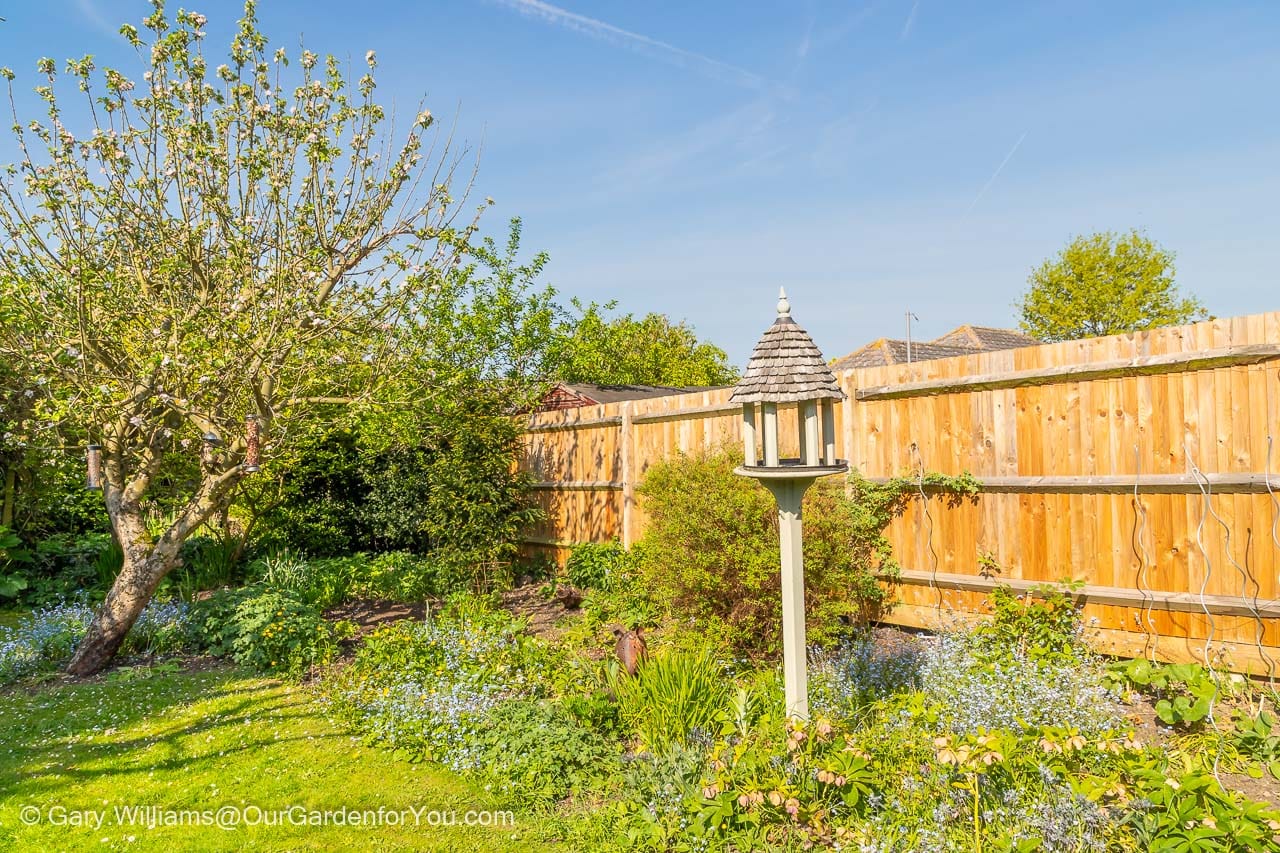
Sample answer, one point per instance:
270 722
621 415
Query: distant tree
1105 284
624 350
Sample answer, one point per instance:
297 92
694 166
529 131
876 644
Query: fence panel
1143 465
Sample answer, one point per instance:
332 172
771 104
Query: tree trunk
129 595
145 565
146 561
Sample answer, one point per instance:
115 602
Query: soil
1150 730
369 614
544 615
186 663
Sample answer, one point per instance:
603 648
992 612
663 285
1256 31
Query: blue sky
872 157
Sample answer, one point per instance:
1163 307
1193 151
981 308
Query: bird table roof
786 366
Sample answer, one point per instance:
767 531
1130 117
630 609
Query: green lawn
203 740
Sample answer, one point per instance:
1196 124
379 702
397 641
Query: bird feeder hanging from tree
252 444
93 467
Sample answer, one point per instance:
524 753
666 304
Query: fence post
628 486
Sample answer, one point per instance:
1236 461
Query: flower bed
997 738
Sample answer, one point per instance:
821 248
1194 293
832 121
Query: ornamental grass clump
672 697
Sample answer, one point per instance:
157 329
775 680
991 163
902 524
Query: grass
200 740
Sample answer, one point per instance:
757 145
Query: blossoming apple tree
192 247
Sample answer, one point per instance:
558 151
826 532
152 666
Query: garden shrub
279 633
274 631
595 565
627 602
211 624
710 553
1041 624
453 497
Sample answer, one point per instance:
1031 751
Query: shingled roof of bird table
786 366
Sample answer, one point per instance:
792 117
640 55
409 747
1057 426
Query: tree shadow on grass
57 742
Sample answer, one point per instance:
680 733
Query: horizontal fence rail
1144 466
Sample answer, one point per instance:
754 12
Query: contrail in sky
635 41
911 19
996 173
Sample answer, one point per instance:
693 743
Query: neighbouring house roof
573 395
986 338
786 366
963 340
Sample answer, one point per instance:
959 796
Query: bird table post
786 368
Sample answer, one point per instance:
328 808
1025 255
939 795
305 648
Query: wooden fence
1142 465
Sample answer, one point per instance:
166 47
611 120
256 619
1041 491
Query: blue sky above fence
871 157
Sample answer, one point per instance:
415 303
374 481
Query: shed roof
786 366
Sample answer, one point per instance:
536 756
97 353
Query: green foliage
1192 812
1184 692
597 711
783 780
1105 284
277 633
627 602
1043 623
271 631
1257 738
212 624
710 554
12 557
207 562
393 576
674 696
454 495
534 754
623 350
66 565
595 566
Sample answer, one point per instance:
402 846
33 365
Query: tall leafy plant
710 553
